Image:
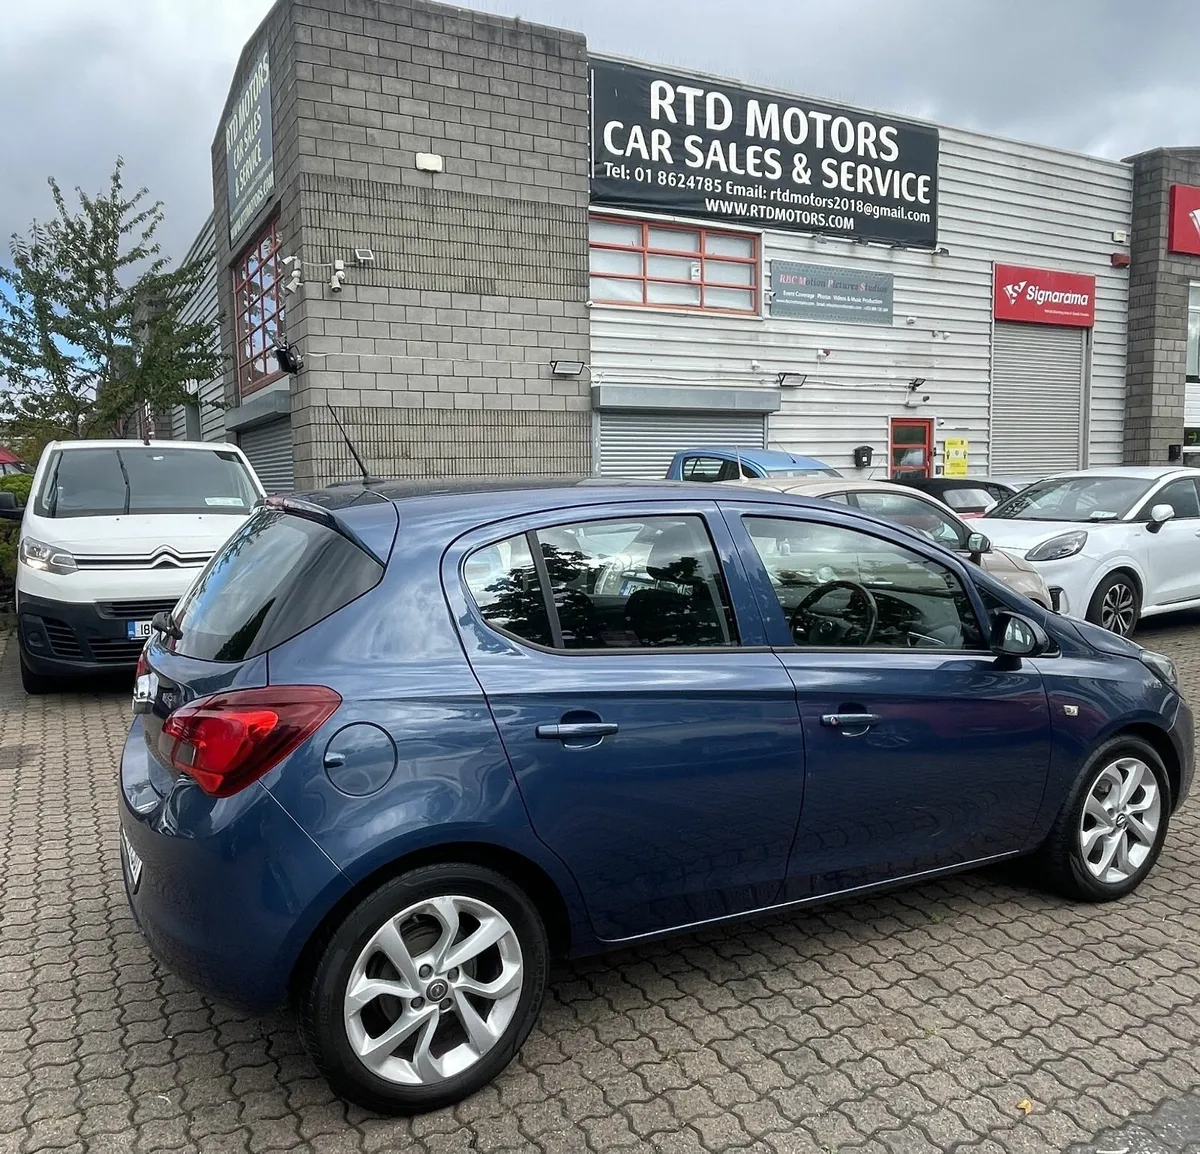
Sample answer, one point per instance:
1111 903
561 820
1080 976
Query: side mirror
1159 516
978 544
1016 636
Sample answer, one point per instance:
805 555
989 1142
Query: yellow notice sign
956 452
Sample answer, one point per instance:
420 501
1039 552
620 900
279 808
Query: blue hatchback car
399 747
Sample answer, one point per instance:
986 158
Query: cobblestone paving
914 1022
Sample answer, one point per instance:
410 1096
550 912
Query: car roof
138 443
1136 472
509 496
818 486
765 458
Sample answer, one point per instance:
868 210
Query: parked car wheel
1116 604
34 683
426 989
1111 828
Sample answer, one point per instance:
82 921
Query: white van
115 532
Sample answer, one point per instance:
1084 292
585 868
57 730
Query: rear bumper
64 638
229 891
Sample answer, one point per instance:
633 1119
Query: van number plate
138 630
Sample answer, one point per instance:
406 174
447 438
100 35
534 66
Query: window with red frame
671 266
258 297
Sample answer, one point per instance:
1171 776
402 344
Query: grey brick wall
1158 292
432 354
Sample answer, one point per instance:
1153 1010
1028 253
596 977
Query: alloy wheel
1118 610
1120 820
434 990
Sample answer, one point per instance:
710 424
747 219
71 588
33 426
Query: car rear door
653 734
922 750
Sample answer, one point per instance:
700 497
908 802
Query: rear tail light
229 740
143 665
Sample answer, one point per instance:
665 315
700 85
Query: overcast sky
82 81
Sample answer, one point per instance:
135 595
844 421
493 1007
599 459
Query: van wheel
34 683
426 989
1116 604
1111 828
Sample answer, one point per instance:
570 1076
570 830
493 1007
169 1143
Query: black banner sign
671 144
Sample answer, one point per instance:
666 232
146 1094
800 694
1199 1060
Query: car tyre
35 684
392 1010
1110 830
1116 605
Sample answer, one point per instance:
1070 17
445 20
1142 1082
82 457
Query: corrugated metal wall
203 303
1016 203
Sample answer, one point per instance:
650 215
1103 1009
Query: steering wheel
828 631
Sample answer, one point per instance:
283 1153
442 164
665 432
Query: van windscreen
106 482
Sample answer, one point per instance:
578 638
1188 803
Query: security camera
339 276
755 366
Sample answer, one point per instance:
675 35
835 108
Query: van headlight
1162 666
1066 545
46 558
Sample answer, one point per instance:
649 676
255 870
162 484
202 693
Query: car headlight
1162 667
1066 545
46 558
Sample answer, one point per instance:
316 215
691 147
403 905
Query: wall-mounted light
364 256
824 354
567 368
289 358
915 384
791 380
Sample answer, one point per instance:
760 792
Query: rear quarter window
275 578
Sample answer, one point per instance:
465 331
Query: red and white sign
1042 297
1183 231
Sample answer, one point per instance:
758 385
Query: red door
911 449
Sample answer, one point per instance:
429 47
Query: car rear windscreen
105 482
276 577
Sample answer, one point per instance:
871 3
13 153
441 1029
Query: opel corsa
397 748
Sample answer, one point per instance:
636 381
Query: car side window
844 589
840 498
651 582
913 513
703 468
504 582
1181 496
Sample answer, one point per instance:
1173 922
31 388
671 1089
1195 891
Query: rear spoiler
326 517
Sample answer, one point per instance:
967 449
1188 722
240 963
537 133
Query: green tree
91 337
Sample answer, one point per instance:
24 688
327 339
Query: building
493 252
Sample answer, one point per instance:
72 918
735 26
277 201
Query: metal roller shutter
641 444
269 450
1037 398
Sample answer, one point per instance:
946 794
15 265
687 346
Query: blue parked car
400 747
726 463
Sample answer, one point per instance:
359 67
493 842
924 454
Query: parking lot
968 1014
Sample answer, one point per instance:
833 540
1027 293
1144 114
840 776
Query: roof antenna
737 452
367 478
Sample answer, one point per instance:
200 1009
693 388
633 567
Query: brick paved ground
912 1022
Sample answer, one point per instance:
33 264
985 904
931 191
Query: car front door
653 734
1172 551
922 749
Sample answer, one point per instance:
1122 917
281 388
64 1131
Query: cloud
147 78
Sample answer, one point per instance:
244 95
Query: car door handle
859 721
569 730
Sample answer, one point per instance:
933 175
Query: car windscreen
968 499
1075 499
105 482
276 577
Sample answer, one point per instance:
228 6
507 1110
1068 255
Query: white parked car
1114 545
115 532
